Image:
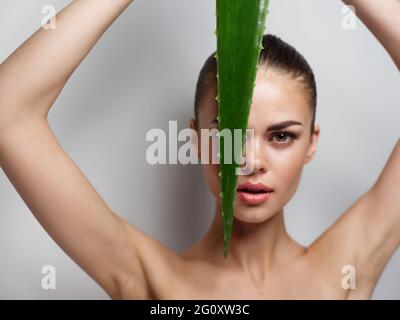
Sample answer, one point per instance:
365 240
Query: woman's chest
213 285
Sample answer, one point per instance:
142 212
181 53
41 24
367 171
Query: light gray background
142 74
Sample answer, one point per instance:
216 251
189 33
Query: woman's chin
252 215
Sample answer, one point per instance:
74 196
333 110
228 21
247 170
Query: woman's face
279 156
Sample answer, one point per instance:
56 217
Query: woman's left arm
380 220
382 18
368 233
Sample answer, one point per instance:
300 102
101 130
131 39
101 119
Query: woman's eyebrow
283 125
275 126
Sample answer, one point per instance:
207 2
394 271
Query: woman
264 262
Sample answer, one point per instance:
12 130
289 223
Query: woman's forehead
276 96
279 99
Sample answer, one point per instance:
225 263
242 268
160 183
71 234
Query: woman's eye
283 137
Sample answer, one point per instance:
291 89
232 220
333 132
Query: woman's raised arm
33 76
382 17
368 233
110 250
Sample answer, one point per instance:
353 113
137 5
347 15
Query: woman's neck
255 247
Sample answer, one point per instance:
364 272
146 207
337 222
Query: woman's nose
255 157
260 161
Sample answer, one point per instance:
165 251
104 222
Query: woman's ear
192 125
313 144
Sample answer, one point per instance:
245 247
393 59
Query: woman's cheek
216 180
211 144
211 172
212 169
212 166
287 171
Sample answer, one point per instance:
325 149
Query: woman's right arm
111 251
33 76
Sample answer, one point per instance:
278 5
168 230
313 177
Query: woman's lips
253 193
253 198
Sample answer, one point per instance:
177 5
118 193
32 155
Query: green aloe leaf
240 27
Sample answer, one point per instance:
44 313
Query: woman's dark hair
275 54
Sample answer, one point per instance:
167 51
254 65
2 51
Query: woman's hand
382 17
